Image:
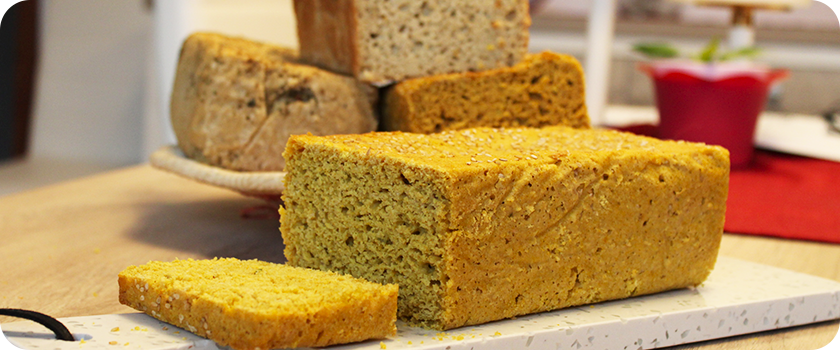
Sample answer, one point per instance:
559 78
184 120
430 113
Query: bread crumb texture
235 102
250 304
379 41
484 224
544 89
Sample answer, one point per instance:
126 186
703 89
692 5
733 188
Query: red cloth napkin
785 196
781 195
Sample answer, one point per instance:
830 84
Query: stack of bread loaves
457 64
484 196
450 65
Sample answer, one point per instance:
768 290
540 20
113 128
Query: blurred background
84 84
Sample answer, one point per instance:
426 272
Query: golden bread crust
258 305
235 102
484 224
327 34
544 89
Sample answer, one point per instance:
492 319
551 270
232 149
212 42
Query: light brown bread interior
250 304
380 41
235 102
484 224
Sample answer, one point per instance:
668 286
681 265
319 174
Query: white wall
263 20
88 103
106 69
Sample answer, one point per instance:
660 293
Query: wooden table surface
62 246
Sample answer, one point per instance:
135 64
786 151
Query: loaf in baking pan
484 224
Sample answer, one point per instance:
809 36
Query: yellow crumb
115 329
136 280
497 334
409 342
382 345
113 342
82 341
126 344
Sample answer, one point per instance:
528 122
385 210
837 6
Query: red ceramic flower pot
716 104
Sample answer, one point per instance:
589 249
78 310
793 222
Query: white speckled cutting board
738 298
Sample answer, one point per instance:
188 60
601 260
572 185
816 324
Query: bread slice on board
250 304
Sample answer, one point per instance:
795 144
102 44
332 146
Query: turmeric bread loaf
253 304
380 41
544 89
484 224
235 102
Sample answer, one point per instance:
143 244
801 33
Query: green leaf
655 50
710 51
748 52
